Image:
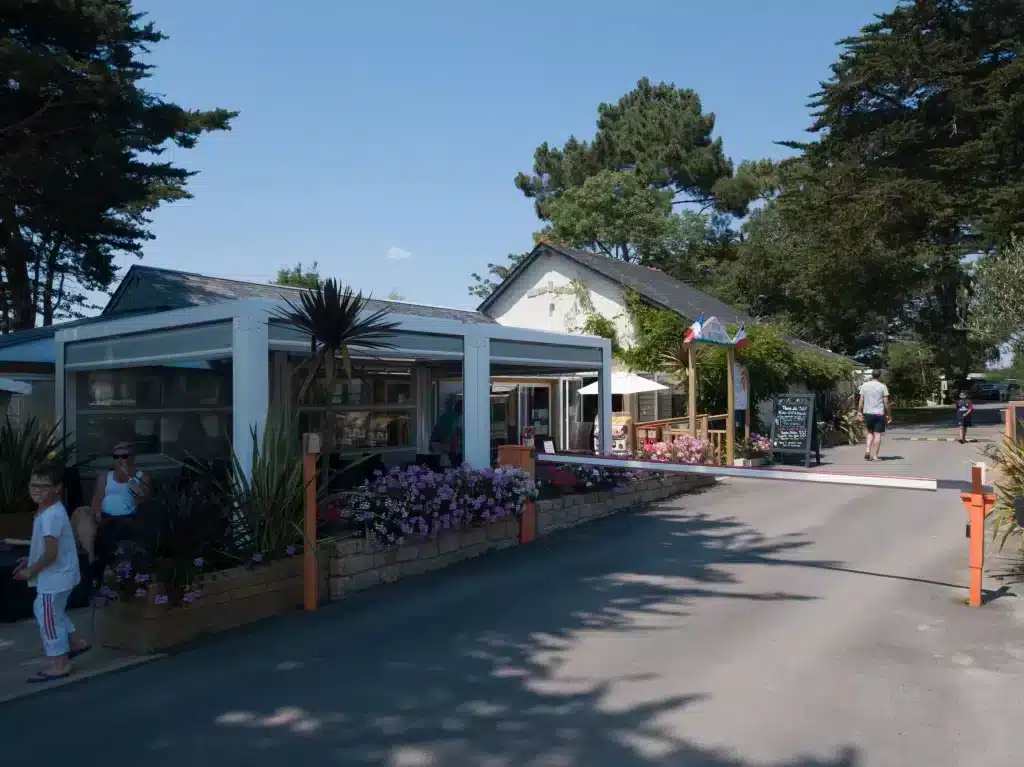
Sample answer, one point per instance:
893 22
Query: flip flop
80 651
42 676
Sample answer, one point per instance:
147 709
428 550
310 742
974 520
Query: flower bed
415 501
356 565
685 449
230 598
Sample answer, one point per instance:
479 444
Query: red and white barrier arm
776 473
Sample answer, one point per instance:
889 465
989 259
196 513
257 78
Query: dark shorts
875 423
964 420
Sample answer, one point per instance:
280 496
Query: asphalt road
758 623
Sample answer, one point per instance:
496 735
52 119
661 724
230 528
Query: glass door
575 430
534 412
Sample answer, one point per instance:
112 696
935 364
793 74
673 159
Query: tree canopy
299 276
81 151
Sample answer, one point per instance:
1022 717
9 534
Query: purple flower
142 577
257 558
199 562
289 551
161 599
140 592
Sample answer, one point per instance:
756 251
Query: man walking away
964 408
873 409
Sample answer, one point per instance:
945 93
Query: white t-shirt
63 574
874 394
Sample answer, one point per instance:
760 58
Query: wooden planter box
750 462
231 598
16 526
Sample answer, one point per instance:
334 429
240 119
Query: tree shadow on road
475 665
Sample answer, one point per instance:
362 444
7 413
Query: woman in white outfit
101 525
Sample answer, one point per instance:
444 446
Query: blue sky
381 139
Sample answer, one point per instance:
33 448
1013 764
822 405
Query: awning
626 383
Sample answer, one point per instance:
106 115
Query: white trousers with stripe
54 624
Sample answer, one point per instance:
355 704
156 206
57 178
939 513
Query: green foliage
1008 486
483 286
913 375
80 164
22 448
998 301
299 276
268 508
656 332
925 104
772 363
659 132
599 325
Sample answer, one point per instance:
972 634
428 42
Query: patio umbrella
626 383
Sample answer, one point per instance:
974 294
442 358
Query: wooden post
979 505
691 376
310 567
746 420
522 457
730 416
1010 421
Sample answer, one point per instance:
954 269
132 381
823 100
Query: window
179 411
374 409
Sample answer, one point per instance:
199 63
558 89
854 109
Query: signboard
741 387
713 332
795 427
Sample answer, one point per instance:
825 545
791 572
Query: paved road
755 624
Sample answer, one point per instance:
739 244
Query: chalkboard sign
795 428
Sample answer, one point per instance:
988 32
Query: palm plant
267 508
1008 486
22 448
336 321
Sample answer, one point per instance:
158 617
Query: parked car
990 392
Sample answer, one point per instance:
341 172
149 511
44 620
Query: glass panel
179 435
375 385
358 430
645 404
213 337
537 411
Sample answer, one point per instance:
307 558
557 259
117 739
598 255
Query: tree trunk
47 297
21 303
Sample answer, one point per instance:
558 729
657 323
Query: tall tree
484 285
299 276
998 299
80 150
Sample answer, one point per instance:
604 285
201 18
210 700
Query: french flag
693 331
741 341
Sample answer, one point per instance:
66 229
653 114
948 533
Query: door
575 429
534 412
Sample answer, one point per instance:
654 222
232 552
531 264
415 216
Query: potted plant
22 448
754 451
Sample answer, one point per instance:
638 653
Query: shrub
415 501
22 448
685 449
757 446
1009 486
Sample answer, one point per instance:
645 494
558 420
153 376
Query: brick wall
355 565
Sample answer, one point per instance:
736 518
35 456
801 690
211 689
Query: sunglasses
121 456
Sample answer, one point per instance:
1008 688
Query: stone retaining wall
355 565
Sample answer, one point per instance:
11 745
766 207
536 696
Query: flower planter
231 598
750 462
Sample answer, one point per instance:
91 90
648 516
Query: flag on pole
741 341
693 332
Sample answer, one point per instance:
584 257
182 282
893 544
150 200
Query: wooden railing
665 429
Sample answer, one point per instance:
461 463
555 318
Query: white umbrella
626 383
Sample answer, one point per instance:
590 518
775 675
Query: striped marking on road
936 439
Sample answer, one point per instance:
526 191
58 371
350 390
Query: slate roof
654 285
146 286
148 289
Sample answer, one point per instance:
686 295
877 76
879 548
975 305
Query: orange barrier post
521 457
310 568
979 505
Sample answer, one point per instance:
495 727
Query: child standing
52 567
964 408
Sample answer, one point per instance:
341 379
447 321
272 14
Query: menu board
795 428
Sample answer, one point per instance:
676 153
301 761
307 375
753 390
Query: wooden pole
979 505
746 419
730 416
691 376
310 565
